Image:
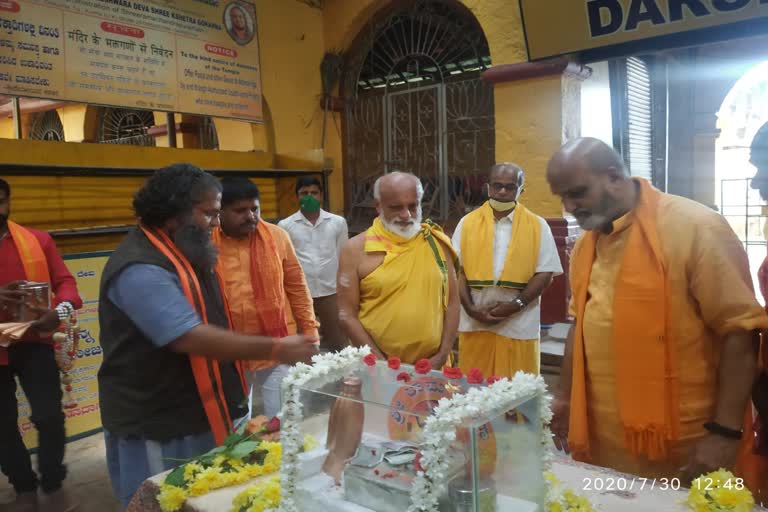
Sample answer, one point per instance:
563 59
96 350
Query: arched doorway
46 126
415 102
742 113
125 126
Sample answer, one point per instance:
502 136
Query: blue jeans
131 461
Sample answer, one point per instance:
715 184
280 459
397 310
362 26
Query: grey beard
196 245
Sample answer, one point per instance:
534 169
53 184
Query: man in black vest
164 331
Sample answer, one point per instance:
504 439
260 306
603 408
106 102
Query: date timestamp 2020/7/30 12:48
649 484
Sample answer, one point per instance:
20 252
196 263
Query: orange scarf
645 359
206 370
31 254
266 280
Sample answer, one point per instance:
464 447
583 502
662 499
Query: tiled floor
87 480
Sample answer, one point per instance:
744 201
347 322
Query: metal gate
418 105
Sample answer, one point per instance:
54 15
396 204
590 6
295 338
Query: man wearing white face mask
396 284
507 259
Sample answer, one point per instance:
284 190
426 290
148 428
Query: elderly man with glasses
508 258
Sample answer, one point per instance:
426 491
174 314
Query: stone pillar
537 109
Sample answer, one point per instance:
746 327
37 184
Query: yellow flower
259 497
199 487
310 443
719 491
190 470
171 498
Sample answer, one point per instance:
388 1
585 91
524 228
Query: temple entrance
415 103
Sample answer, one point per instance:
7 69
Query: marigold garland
259 497
719 491
203 476
563 499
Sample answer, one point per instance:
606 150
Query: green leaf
176 477
213 452
235 438
256 457
241 429
244 449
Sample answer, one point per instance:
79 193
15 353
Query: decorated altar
360 435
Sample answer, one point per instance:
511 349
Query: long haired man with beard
170 386
397 282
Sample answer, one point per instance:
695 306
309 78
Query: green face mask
309 204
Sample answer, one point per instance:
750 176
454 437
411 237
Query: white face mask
407 232
503 206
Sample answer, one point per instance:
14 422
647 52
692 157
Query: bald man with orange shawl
397 281
264 284
659 365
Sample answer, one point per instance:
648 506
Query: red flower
370 360
474 376
404 376
273 425
394 363
423 366
452 372
417 463
493 378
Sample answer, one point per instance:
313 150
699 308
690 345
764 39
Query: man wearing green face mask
318 236
508 258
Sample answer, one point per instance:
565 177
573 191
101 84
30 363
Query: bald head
591 155
591 179
397 181
398 200
507 169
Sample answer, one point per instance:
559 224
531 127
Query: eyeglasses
498 187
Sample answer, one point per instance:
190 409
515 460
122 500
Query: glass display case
375 436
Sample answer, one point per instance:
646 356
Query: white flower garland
325 368
440 428
453 413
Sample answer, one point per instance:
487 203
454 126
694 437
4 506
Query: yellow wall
530 115
51 202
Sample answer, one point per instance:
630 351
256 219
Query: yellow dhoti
497 355
403 301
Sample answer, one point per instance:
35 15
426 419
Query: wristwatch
723 431
520 303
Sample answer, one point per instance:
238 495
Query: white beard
593 222
407 232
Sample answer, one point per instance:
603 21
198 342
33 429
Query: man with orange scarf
30 255
397 281
263 281
169 386
660 363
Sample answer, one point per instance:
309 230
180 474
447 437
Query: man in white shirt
318 236
508 258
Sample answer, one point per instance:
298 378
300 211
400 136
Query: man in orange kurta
660 363
263 282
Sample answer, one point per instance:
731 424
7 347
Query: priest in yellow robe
659 366
397 282
507 259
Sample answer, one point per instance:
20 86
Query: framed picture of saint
240 21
